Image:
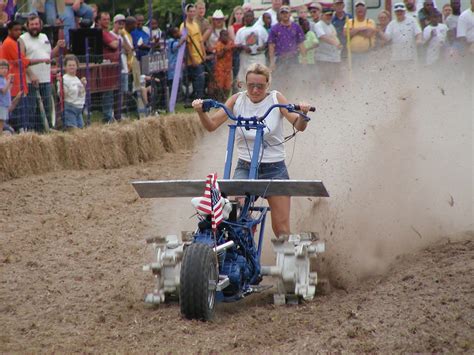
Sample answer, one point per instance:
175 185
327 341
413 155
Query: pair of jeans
108 106
33 113
19 116
276 171
196 75
72 116
69 15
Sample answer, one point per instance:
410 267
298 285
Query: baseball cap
327 10
119 17
284 8
359 2
338 1
315 5
399 6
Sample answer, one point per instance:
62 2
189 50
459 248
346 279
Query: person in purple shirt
285 42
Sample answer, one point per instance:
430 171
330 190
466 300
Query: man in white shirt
36 45
404 33
251 40
465 30
434 36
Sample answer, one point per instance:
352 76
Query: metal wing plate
264 188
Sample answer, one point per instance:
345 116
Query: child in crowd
74 94
434 37
310 42
267 21
172 47
6 82
223 66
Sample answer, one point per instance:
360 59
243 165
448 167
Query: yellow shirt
360 44
194 47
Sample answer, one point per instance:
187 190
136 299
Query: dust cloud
393 148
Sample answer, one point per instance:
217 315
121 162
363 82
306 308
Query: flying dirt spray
394 150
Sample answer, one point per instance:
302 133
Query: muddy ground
71 250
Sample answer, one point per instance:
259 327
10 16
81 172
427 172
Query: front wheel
198 282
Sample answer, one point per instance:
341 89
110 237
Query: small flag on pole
212 201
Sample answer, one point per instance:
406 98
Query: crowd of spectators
319 39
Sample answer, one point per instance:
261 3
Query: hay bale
97 147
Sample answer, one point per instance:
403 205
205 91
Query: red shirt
109 52
10 52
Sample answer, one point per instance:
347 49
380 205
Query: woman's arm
211 123
296 120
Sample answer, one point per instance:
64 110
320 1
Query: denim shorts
276 171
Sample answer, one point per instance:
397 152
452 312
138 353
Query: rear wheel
198 282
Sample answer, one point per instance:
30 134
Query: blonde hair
258 69
232 15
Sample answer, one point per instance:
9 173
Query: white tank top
273 147
38 48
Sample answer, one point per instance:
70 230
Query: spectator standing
404 33
201 19
315 9
411 9
267 21
285 40
339 20
251 41
383 19
141 38
434 37
10 51
362 32
3 17
155 33
447 11
173 43
223 66
425 13
328 55
36 45
302 13
273 12
310 43
195 51
236 22
95 18
6 82
124 47
74 94
111 54
465 30
211 36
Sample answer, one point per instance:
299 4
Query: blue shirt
136 35
172 50
339 25
5 99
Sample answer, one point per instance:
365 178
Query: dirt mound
97 147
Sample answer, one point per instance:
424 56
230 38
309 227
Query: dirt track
71 250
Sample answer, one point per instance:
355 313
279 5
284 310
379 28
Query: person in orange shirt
11 52
223 66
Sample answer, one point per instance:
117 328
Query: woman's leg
280 212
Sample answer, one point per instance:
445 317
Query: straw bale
97 147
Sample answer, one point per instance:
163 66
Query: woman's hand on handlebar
197 105
304 107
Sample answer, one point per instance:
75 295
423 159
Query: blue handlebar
208 104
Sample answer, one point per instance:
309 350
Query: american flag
212 202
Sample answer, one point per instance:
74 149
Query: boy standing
6 82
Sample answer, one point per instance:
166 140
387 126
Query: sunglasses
259 87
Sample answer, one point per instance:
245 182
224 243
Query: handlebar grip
298 108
